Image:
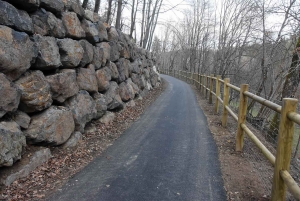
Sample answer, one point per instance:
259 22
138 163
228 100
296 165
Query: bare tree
85 3
119 12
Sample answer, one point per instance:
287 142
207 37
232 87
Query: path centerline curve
168 154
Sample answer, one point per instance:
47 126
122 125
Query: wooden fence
211 86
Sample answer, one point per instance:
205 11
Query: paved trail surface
168 154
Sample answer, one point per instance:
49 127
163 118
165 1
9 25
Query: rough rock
48 53
113 34
35 92
114 71
28 5
154 78
73 140
21 118
102 31
90 15
37 159
98 57
134 86
56 26
11 144
146 73
71 52
88 54
124 51
134 67
39 20
91 31
123 68
18 46
108 118
87 80
148 86
138 80
54 6
53 126
101 104
17 19
72 25
130 103
83 108
115 49
63 84
105 48
74 6
103 78
9 96
126 91
113 98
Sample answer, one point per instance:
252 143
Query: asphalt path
168 154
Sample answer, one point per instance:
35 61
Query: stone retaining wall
60 68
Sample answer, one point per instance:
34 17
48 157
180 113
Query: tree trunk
119 11
108 11
84 4
97 6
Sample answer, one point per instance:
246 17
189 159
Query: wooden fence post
284 148
206 88
203 84
218 86
226 101
198 75
241 117
210 89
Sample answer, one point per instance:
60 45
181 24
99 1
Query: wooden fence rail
211 86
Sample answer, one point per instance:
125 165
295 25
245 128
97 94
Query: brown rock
126 91
113 34
123 68
91 32
53 126
12 143
35 91
73 140
103 78
9 96
87 80
88 54
102 31
98 57
63 84
21 118
71 52
72 25
83 108
54 6
113 98
105 48
114 71
18 46
101 104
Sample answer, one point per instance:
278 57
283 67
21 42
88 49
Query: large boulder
101 104
45 23
102 31
35 90
12 143
134 67
17 52
103 78
9 96
54 6
17 19
87 80
105 48
88 54
28 5
74 6
83 108
126 91
113 98
91 31
123 68
21 118
90 15
114 71
75 138
71 52
154 78
98 57
48 53
135 88
138 80
115 49
72 25
53 126
113 34
63 84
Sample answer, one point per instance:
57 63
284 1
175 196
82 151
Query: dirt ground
247 175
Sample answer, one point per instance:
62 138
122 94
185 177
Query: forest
249 41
